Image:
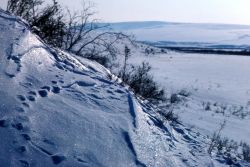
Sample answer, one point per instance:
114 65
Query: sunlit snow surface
218 81
222 81
59 110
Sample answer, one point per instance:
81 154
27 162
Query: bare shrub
216 138
24 8
142 83
174 98
76 32
246 152
231 150
127 54
49 24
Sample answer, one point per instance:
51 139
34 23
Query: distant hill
188 34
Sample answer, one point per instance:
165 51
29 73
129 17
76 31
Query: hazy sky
208 11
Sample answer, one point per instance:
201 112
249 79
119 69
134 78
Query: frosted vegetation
73 92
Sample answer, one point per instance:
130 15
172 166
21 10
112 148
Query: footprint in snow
18 126
32 93
18 123
20 109
21 149
54 82
9 75
21 97
26 137
110 92
58 158
44 90
31 98
26 105
56 89
96 96
24 163
43 93
119 91
4 123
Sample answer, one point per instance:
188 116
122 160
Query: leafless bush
24 8
76 32
246 152
142 83
174 98
231 150
122 73
216 138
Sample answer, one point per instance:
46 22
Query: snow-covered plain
220 82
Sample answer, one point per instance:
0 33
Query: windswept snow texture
188 34
58 110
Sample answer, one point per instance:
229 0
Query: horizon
175 22
194 11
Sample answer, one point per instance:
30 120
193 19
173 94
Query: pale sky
196 11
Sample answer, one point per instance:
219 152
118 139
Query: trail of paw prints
18 124
23 142
32 96
116 93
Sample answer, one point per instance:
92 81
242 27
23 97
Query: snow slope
59 110
188 34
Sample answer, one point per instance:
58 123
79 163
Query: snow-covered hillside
59 110
188 34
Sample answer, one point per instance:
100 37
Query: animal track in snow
24 163
46 88
31 98
21 97
43 93
58 158
20 109
54 82
21 149
26 137
32 93
26 105
4 123
56 89
18 126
